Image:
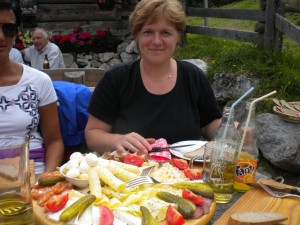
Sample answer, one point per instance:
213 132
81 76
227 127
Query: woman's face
157 41
7 18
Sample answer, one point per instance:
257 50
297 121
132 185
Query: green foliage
278 71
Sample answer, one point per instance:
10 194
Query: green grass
278 71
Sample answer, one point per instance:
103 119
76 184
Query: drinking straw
231 110
248 118
220 153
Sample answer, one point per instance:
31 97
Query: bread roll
261 218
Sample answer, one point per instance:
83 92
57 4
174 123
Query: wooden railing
270 16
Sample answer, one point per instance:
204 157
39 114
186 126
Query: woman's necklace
170 75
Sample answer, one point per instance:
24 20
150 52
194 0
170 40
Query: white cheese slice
118 222
85 219
54 217
95 215
127 218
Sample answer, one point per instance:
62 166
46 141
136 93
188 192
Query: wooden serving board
257 199
40 216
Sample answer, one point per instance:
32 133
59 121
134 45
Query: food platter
179 152
42 217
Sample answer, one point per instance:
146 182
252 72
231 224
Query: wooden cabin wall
60 16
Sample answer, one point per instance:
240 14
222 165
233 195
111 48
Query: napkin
163 156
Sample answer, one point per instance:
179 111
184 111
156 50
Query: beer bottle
248 157
46 64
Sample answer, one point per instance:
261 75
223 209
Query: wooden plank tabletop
258 200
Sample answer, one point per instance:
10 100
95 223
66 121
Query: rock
82 62
68 59
126 57
106 56
95 63
228 86
131 47
198 62
279 141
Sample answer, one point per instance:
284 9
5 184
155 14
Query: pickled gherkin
202 189
77 207
185 207
147 218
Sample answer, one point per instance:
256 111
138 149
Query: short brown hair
145 9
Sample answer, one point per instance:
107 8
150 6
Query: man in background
35 54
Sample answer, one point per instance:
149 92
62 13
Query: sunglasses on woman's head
9 29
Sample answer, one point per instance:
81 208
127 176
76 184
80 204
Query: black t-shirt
121 100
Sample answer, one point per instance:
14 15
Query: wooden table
257 199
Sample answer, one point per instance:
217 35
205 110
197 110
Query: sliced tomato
56 203
196 199
193 174
180 163
106 216
174 217
132 159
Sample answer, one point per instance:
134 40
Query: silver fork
277 194
143 180
146 171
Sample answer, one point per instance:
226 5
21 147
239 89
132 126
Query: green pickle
202 189
50 181
185 207
147 218
77 207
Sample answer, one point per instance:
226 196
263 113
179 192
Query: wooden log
291 30
269 25
77 77
73 12
65 1
237 35
242 14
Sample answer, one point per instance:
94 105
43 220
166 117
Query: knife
159 149
291 190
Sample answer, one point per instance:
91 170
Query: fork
275 193
146 171
143 180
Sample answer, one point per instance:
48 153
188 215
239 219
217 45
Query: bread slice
198 152
8 172
261 218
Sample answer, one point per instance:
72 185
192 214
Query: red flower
84 35
56 37
101 33
19 46
64 39
81 43
77 29
90 42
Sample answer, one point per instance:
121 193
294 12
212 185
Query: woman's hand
134 142
99 138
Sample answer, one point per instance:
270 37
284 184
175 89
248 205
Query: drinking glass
219 163
15 190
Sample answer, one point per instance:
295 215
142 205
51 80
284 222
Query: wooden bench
87 76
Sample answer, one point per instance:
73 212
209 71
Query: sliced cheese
127 218
54 217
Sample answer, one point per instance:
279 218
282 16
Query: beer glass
15 190
219 163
